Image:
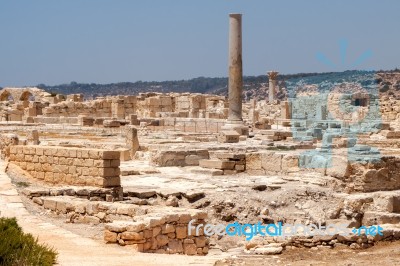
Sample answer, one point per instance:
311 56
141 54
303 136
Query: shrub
18 248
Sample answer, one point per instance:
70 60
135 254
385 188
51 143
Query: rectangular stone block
50 204
271 162
93 171
40 175
102 163
48 177
13 149
253 161
94 154
114 181
217 164
72 170
228 137
39 151
115 163
85 154
72 153
110 155
47 151
28 158
20 149
88 162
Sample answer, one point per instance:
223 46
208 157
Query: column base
237 126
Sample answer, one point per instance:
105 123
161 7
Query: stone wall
55 120
356 175
269 162
67 165
375 176
164 233
149 105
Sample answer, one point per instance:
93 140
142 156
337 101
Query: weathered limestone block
32 137
7 143
131 140
338 167
290 163
111 123
217 164
271 162
175 246
118 108
253 161
381 175
134 120
228 137
193 159
179 157
85 120
110 237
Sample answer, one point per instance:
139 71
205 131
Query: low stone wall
382 173
55 120
260 163
38 194
274 245
76 208
164 233
68 165
228 162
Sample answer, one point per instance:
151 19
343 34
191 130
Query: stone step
206 171
227 155
140 192
217 164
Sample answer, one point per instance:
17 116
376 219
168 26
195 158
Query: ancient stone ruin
142 167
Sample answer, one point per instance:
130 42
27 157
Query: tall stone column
235 69
235 83
272 76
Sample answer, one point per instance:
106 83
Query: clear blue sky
104 41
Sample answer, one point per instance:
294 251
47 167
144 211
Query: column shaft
235 83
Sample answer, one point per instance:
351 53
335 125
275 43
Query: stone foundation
166 233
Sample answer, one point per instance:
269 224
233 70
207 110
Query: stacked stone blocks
166 233
67 165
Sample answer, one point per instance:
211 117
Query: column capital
273 74
235 15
